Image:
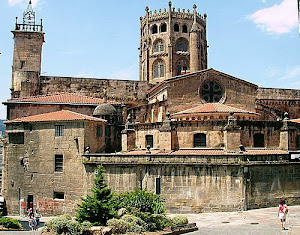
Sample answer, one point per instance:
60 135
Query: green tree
96 208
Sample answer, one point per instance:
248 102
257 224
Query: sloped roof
66 98
296 120
213 108
62 115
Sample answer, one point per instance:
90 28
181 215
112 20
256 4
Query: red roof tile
199 152
62 115
69 98
213 108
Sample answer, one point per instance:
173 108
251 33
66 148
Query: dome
104 110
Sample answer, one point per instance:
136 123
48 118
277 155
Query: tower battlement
162 14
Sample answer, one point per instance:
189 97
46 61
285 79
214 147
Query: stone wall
120 90
267 184
30 167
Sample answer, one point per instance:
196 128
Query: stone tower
172 43
29 39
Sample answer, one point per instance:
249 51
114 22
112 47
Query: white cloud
277 19
14 2
292 73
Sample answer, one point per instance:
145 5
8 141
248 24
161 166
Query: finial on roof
147 9
105 96
29 15
194 26
170 3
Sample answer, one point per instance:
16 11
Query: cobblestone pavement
252 222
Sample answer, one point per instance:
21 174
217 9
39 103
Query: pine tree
96 208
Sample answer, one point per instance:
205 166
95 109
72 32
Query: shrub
161 221
180 220
63 224
119 226
137 224
8 222
141 199
97 208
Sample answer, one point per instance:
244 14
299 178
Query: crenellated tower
172 43
28 42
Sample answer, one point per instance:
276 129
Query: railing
29 27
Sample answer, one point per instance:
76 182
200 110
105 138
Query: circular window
211 92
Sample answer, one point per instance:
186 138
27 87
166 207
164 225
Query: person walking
282 212
37 216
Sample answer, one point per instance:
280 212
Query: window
22 64
259 140
154 29
298 142
211 92
149 140
184 29
158 186
159 69
176 27
16 138
199 140
163 28
59 130
182 44
99 130
159 46
182 67
59 195
59 159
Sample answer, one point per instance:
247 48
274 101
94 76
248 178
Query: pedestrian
31 223
37 216
282 212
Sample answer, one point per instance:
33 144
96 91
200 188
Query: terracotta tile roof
69 98
142 152
265 151
62 115
154 88
199 152
213 108
296 120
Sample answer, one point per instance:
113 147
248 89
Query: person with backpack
282 212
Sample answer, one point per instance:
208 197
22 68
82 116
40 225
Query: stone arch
158 45
182 44
182 66
159 68
184 29
154 29
176 27
163 28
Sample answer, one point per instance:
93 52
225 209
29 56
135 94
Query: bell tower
173 42
28 42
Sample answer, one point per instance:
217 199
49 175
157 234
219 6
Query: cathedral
202 139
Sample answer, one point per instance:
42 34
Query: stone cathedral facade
203 139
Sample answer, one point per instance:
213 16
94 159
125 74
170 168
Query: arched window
176 27
149 140
159 69
154 29
182 67
258 140
163 28
182 44
199 140
158 46
184 29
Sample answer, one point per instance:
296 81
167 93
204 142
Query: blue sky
255 40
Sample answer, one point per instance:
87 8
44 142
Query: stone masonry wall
267 184
37 175
120 90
